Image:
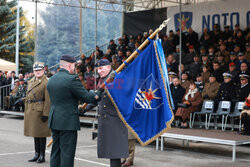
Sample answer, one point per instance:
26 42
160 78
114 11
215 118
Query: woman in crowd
190 103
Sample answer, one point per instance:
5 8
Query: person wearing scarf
192 99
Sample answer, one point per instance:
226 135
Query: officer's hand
44 118
98 95
111 76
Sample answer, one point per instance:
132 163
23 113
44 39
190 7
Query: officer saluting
112 134
65 91
37 106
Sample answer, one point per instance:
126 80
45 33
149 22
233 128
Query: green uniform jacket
65 91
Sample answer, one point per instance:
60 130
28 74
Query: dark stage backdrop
141 21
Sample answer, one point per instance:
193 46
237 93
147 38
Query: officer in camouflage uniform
37 106
65 91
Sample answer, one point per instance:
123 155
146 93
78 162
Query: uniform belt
35 101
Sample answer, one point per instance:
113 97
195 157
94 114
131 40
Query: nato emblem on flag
141 95
148 96
185 21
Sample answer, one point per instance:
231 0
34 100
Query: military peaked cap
38 66
102 62
68 58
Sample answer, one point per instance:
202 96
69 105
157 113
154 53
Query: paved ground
15 150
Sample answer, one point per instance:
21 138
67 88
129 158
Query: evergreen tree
8 14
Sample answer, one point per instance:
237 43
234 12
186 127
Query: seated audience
205 73
227 89
191 102
185 80
210 89
245 117
177 92
199 82
243 89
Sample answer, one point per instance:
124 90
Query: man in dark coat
112 133
65 92
192 38
177 92
112 46
217 71
227 89
242 90
2 79
195 67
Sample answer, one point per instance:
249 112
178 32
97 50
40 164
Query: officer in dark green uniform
65 91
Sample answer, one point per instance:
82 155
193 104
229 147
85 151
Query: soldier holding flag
112 133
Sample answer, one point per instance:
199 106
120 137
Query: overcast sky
29 8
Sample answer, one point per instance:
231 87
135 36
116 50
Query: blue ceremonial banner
141 97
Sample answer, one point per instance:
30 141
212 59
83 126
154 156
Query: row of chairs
223 110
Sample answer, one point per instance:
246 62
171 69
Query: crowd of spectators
214 65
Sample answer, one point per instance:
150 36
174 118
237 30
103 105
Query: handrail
4 86
4 91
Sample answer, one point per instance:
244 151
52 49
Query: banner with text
205 15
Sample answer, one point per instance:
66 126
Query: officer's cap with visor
243 76
102 62
172 74
38 66
68 58
227 75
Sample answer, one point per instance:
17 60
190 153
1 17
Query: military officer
211 88
226 90
171 76
243 89
65 91
112 134
37 107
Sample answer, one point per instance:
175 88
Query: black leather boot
41 159
37 150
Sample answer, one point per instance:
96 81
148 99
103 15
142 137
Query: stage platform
209 136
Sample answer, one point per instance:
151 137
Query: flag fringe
168 124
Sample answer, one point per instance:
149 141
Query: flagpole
131 57
180 29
